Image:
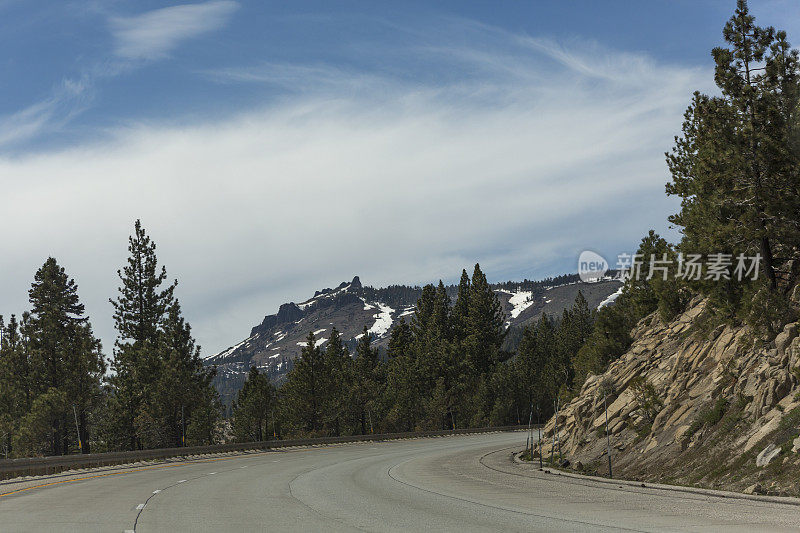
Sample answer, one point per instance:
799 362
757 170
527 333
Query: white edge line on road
182 481
156 491
140 507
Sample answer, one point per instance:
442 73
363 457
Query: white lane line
156 491
242 467
211 473
140 507
182 481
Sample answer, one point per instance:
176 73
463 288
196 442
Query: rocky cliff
688 406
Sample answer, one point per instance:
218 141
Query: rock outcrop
714 409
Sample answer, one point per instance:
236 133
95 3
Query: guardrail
38 466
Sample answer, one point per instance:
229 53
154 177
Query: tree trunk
84 433
769 266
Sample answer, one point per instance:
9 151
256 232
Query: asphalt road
463 483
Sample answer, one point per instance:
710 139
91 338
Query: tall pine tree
140 310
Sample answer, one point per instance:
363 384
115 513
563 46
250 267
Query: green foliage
484 325
711 416
609 339
302 394
766 311
42 426
735 167
253 417
51 367
715 414
648 404
367 385
790 420
159 385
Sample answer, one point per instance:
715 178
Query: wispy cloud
148 36
67 100
508 160
152 35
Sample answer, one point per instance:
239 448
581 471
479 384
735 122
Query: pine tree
422 321
303 392
460 312
426 339
609 339
139 314
339 368
441 313
572 333
254 409
65 359
182 387
367 386
735 166
403 396
486 324
400 340
15 381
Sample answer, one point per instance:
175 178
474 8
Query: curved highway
459 483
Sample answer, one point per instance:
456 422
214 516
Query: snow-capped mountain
278 339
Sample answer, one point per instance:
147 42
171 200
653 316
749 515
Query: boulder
623 400
755 488
765 430
796 445
681 431
767 455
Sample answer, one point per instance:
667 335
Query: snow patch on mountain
319 342
383 321
521 300
611 299
230 350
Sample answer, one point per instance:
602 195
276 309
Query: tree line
444 369
59 395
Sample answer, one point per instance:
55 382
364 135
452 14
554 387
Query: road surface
459 483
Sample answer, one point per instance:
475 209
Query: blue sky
274 148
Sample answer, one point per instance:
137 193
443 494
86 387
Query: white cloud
153 34
518 165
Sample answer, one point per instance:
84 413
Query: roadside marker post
77 428
539 442
608 438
